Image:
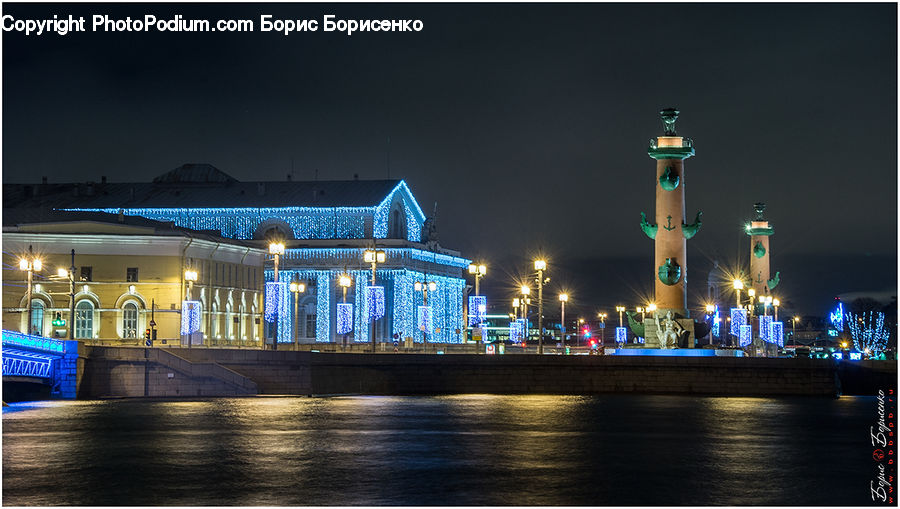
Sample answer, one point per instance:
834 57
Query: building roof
36 220
199 186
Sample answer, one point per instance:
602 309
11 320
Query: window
131 274
310 321
129 320
229 323
395 224
37 318
84 319
87 273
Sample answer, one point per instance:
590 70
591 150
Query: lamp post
602 317
525 291
563 298
30 264
478 271
344 282
775 304
620 309
738 286
190 276
374 256
540 266
794 321
425 287
296 289
580 323
276 249
70 274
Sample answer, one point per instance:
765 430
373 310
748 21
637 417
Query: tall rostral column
759 231
670 233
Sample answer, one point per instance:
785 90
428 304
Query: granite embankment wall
211 372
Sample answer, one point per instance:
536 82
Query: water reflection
451 450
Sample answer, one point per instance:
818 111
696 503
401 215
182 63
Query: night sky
527 124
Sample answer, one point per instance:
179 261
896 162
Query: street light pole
29 265
540 266
277 249
525 292
423 287
296 289
563 298
373 256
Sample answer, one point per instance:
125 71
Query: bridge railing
21 340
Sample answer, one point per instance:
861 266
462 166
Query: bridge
40 360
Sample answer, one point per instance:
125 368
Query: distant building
325 226
123 265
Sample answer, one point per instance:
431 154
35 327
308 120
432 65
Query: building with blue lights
325 226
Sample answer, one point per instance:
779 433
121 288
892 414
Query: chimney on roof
132 192
90 189
121 215
44 180
356 176
288 177
261 188
102 179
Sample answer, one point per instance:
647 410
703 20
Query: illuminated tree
868 332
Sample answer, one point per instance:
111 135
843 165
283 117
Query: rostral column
670 232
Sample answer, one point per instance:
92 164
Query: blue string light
765 328
738 319
375 302
424 322
621 335
746 331
344 317
715 325
777 334
304 222
477 309
868 332
837 317
190 316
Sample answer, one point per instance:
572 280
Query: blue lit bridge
40 360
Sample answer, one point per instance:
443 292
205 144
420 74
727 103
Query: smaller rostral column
759 231
670 232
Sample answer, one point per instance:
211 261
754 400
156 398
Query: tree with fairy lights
868 332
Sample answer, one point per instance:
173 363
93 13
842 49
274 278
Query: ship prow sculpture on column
670 325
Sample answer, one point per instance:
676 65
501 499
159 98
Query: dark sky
527 123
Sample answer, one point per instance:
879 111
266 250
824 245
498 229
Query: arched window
37 318
213 320
129 320
253 321
84 319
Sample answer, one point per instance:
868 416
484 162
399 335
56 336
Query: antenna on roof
317 175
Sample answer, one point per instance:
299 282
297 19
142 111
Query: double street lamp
296 289
374 257
540 266
70 275
478 271
425 287
30 264
525 291
276 249
563 298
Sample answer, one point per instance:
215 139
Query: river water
451 450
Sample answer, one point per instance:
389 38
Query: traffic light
146 333
58 321
586 332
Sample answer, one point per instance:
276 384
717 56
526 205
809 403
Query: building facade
126 275
325 226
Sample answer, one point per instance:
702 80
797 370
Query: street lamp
297 288
70 274
478 271
190 276
344 281
425 287
563 298
580 323
540 266
794 321
602 317
30 264
374 256
525 291
277 249
738 286
620 309
775 304
709 311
